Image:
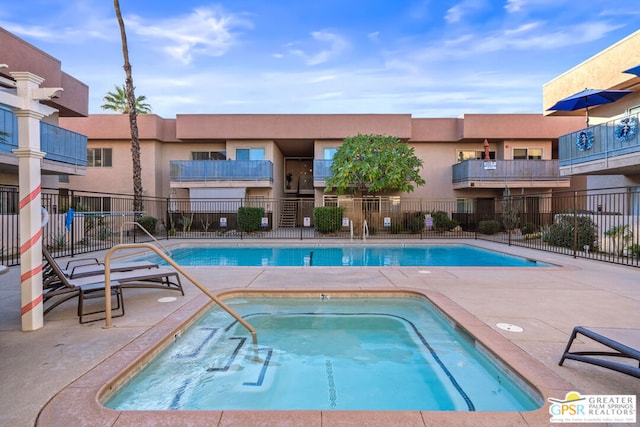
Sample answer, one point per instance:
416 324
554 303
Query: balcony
607 148
66 151
221 173
514 173
321 171
62 145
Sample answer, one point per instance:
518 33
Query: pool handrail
107 285
143 229
365 230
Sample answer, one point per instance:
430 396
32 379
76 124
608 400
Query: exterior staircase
288 214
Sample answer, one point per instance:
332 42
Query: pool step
232 356
249 359
203 339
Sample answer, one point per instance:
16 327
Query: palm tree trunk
133 114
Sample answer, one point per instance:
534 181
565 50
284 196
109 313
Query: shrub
562 233
250 219
327 219
529 228
442 222
396 228
148 223
489 226
415 223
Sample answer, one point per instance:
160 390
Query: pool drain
509 327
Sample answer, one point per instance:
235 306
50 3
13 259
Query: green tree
117 101
368 164
133 121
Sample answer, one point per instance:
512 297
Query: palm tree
133 122
117 101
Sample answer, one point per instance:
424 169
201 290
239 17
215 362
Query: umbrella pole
587 110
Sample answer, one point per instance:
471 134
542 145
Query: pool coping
79 402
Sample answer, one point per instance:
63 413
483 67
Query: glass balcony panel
62 145
220 170
507 170
59 144
321 169
603 141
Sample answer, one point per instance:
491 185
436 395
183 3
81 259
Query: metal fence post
575 224
73 228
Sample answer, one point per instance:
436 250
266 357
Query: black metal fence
602 224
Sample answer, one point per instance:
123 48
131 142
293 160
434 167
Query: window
527 153
208 155
474 155
99 157
329 153
249 153
634 110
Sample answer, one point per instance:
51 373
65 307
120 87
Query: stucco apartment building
613 157
289 155
65 150
238 155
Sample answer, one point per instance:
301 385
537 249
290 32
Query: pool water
324 354
367 256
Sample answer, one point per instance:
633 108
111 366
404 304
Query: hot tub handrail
143 229
107 283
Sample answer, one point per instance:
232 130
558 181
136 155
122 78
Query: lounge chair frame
596 357
59 287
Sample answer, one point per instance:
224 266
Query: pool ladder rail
107 281
365 230
137 224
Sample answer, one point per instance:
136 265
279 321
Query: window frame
91 157
251 152
528 155
210 155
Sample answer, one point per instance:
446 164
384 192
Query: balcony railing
60 145
221 170
601 141
507 171
321 169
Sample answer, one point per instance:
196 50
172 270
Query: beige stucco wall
436 141
119 177
602 71
280 126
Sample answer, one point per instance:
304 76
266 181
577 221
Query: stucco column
29 114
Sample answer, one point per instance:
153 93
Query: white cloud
454 14
89 29
514 6
336 46
206 31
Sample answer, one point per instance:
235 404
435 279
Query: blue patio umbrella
588 98
633 70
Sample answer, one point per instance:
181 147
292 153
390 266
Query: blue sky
428 58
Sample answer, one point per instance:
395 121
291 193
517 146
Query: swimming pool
349 255
326 352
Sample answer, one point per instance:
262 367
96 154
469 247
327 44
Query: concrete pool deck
546 302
